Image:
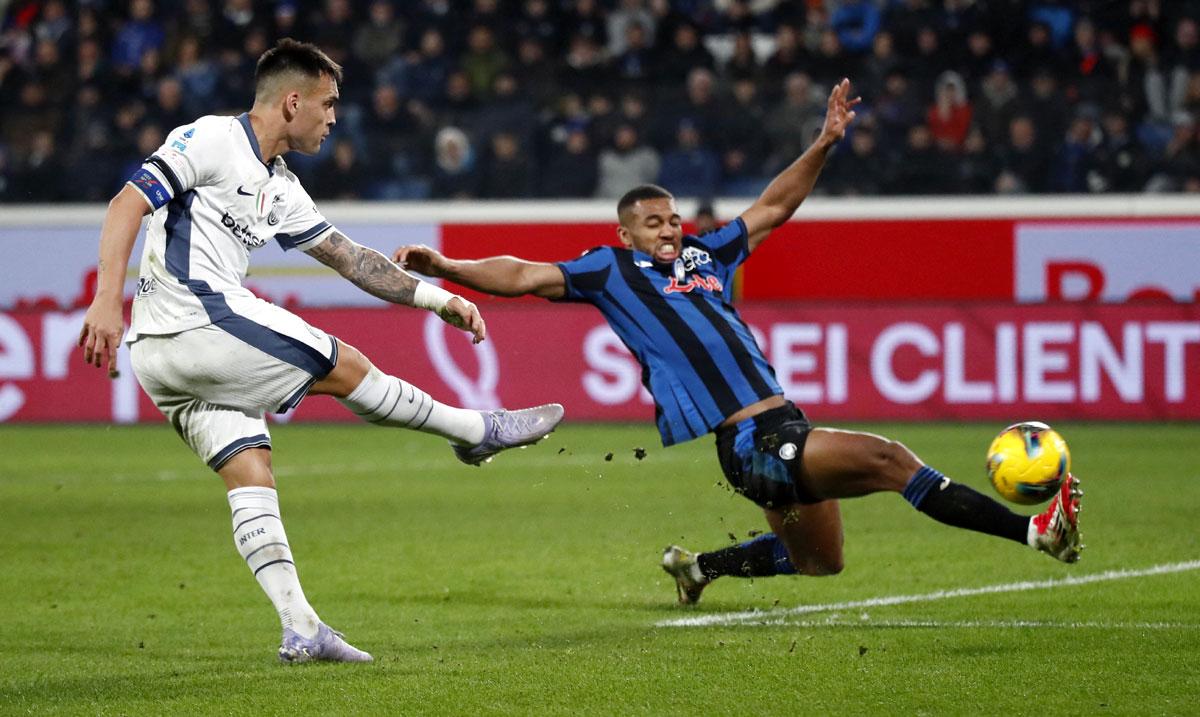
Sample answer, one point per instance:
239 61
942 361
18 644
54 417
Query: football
1027 462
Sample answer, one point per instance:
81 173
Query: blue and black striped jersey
699 359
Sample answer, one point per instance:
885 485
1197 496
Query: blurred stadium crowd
581 98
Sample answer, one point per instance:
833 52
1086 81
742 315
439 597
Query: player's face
653 226
315 115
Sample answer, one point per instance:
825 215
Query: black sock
955 504
762 557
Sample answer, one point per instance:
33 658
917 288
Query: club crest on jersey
266 203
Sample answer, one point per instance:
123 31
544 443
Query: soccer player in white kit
215 358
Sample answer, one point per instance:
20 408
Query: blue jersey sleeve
728 246
585 276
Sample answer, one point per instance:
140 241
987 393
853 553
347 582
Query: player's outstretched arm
497 275
373 273
782 197
104 321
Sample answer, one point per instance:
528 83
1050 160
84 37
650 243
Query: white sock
1031 535
259 537
388 401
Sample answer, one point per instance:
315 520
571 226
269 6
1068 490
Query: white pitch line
767 616
973 624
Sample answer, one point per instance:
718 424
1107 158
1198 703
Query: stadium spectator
1023 162
483 60
508 171
742 63
625 161
584 68
197 74
139 35
342 176
790 57
635 63
586 17
40 172
705 219
685 55
857 167
571 170
949 118
788 126
977 166
856 22
628 12
876 66
423 74
922 167
690 167
456 171
381 37
1072 170
743 143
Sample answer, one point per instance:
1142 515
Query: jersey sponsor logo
146 286
241 232
705 283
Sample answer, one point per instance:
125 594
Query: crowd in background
586 98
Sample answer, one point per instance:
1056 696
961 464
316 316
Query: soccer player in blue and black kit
668 297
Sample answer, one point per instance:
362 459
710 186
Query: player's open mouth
666 252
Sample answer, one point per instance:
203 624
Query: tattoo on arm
366 268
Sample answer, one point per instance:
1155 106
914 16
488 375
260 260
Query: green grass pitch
531 585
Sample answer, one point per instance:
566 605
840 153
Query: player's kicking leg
847 464
385 400
259 537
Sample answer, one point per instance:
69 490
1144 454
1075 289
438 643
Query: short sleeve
303 227
191 157
586 276
729 246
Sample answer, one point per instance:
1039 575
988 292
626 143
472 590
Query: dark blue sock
761 557
955 504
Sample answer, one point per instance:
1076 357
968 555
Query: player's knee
894 463
823 565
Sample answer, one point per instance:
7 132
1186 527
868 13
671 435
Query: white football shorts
215 383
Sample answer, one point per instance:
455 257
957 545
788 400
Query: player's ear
291 105
623 235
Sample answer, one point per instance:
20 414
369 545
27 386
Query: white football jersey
214 201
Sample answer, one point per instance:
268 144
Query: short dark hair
290 55
640 192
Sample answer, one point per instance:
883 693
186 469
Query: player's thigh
240 364
846 464
812 533
215 433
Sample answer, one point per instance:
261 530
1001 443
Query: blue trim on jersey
153 190
262 440
244 119
699 359
291 241
178 260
